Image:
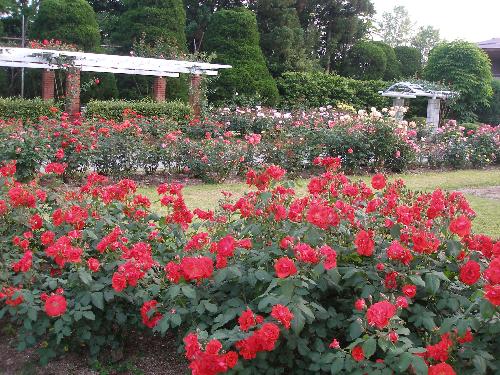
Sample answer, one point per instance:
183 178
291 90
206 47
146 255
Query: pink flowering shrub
349 278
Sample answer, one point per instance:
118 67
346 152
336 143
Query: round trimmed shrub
71 21
366 61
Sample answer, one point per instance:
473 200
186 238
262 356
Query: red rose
283 315
378 181
357 353
492 294
55 305
380 313
93 264
246 320
231 359
285 267
364 243
461 226
197 268
409 290
360 304
470 272
119 281
492 274
441 369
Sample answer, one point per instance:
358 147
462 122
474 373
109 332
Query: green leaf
88 315
298 322
417 280
98 300
337 366
396 231
210 307
85 277
262 275
369 347
419 365
188 291
432 282
355 330
32 314
404 361
480 364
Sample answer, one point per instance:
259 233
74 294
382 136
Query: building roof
490 44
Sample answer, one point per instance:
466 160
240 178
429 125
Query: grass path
206 196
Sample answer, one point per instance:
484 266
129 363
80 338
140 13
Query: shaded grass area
206 196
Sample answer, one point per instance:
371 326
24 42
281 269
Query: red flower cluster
263 339
190 268
210 361
379 314
150 315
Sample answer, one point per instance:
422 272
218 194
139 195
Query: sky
474 21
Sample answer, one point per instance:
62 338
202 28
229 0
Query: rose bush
349 278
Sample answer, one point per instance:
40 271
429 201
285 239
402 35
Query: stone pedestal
159 89
195 95
433 110
73 91
398 104
48 81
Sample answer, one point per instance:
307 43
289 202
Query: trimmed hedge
310 90
25 109
113 109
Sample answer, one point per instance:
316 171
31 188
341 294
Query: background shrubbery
313 90
26 109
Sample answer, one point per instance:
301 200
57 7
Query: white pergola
408 90
50 60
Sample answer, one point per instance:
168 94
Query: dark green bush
365 60
72 21
393 67
113 109
25 109
410 59
309 90
234 37
491 115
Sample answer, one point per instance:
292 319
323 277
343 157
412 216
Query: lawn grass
206 196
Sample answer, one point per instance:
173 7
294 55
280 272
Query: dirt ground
492 192
145 355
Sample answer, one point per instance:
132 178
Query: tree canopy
72 21
467 69
410 59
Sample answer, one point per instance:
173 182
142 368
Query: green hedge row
113 109
25 109
312 90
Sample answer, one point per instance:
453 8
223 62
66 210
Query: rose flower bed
349 279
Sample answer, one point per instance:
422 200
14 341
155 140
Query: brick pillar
159 89
433 109
195 94
398 104
48 80
73 91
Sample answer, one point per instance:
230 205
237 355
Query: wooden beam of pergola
76 62
93 62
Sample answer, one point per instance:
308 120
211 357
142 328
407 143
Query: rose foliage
349 278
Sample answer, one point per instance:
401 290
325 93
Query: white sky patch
474 21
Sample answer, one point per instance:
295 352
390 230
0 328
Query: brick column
433 109
48 80
73 91
195 94
159 89
398 104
